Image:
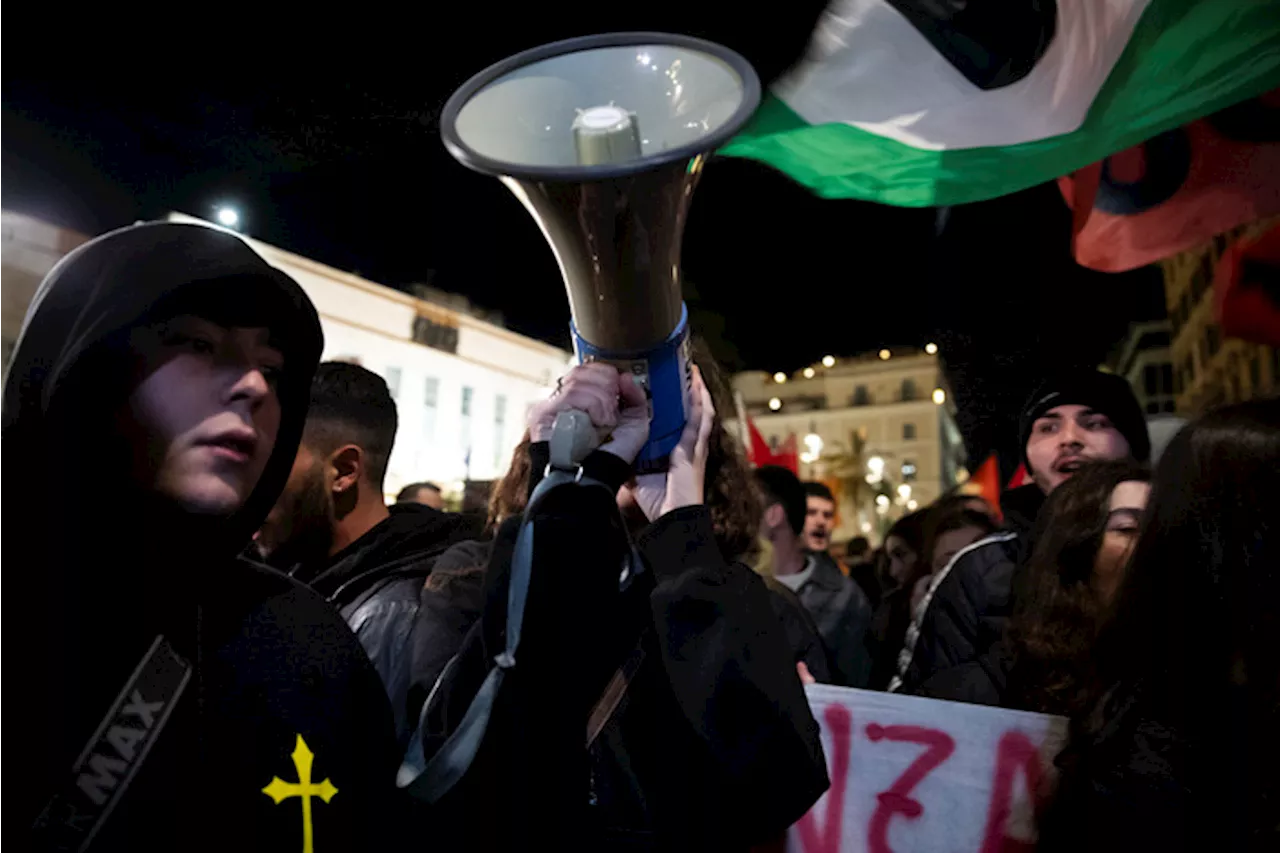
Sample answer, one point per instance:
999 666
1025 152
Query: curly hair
730 495
1059 615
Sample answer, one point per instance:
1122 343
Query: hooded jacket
966 610
376 584
277 690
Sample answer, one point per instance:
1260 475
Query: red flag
1246 288
987 479
1178 189
1019 478
761 454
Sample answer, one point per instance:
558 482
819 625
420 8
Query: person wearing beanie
1073 417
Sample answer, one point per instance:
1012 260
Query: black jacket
273 674
376 584
713 718
970 601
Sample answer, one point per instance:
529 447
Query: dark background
321 128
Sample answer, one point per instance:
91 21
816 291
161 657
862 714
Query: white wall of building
28 250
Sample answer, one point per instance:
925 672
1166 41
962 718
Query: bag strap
614 692
115 752
430 780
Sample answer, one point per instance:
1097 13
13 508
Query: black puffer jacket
970 601
376 583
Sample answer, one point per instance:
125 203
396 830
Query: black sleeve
948 628
734 680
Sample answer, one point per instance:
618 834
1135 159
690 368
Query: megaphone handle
573 436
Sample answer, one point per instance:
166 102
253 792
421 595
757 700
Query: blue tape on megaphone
665 372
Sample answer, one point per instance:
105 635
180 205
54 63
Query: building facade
1209 369
28 250
880 431
463 386
1145 359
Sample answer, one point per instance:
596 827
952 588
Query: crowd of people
245 647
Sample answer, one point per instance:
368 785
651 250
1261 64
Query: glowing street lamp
779 377
228 217
884 355
912 506
882 500
775 404
813 441
828 361
808 373
931 348
939 396
904 491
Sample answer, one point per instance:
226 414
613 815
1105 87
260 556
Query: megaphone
603 139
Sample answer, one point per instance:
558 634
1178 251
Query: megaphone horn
603 138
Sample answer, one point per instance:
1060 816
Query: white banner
914 775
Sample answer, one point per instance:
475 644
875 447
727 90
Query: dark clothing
971 601
1129 781
376 584
802 632
863 573
271 666
450 604
842 613
886 634
712 719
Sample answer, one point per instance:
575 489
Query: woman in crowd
949 526
1179 752
1082 538
1087 531
903 550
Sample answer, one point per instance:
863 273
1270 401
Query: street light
939 396
904 491
931 348
779 377
882 500
808 373
828 361
884 355
912 506
775 404
813 441
876 464
228 217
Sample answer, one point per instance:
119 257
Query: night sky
323 131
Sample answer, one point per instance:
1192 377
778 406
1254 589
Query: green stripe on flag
1184 61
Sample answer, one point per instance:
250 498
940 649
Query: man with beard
332 530
174 696
1072 418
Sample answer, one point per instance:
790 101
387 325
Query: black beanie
1102 392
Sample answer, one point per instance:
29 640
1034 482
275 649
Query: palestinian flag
924 103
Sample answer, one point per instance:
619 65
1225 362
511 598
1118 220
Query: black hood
70 366
401 541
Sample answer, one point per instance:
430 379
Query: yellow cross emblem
280 790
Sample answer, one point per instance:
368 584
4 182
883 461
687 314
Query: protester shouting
654 714
1074 417
332 530
1179 750
175 696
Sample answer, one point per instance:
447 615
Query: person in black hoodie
174 696
332 530
1073 417
662 712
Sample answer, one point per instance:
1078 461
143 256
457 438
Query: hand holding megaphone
617 407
